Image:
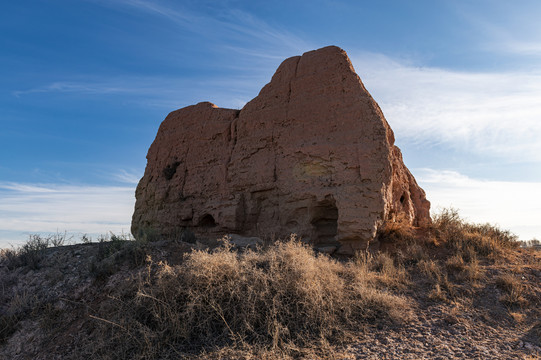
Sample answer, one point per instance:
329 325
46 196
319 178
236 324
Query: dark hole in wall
207 221
170 170
402 198
324 219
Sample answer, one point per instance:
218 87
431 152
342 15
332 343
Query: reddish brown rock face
312 154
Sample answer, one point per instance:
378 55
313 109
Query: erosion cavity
207 221
324 219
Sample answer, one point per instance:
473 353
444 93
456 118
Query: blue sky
85 85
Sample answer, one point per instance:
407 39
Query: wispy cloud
16 187
248 25
489 114
226 25
251 49
47 208
512 205
180 17
78 87
502 27
128 177
493 114
163 92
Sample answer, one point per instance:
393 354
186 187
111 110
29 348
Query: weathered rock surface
312 154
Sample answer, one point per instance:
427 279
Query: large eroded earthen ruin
312 154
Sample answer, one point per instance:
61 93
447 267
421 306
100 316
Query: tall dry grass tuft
276 299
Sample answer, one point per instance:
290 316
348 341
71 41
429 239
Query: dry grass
275 301
29 254
442 288
431 269
281 301
513 290
395 230
416 252
468 269
17 308
518 317
8 325
381 269
285 298
114 251
464 237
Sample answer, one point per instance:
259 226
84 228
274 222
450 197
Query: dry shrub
464 267
17 308
411 254
472 271
461 236
397 229
29 254
380 269
279 299
513 288
455 263
431 269
442 288
438 293
447 225
415 253
8 325
533 244
483 244
453 314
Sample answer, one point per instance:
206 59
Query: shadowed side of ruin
312 154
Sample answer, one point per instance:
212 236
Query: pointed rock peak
312 154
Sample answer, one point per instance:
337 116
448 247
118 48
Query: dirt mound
452 290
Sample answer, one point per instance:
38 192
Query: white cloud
227 26
128 177
93 85
512 205
16 187
46 208
506 28
492 114
489 114
74 87
160 92
158 9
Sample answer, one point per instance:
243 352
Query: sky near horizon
86 83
